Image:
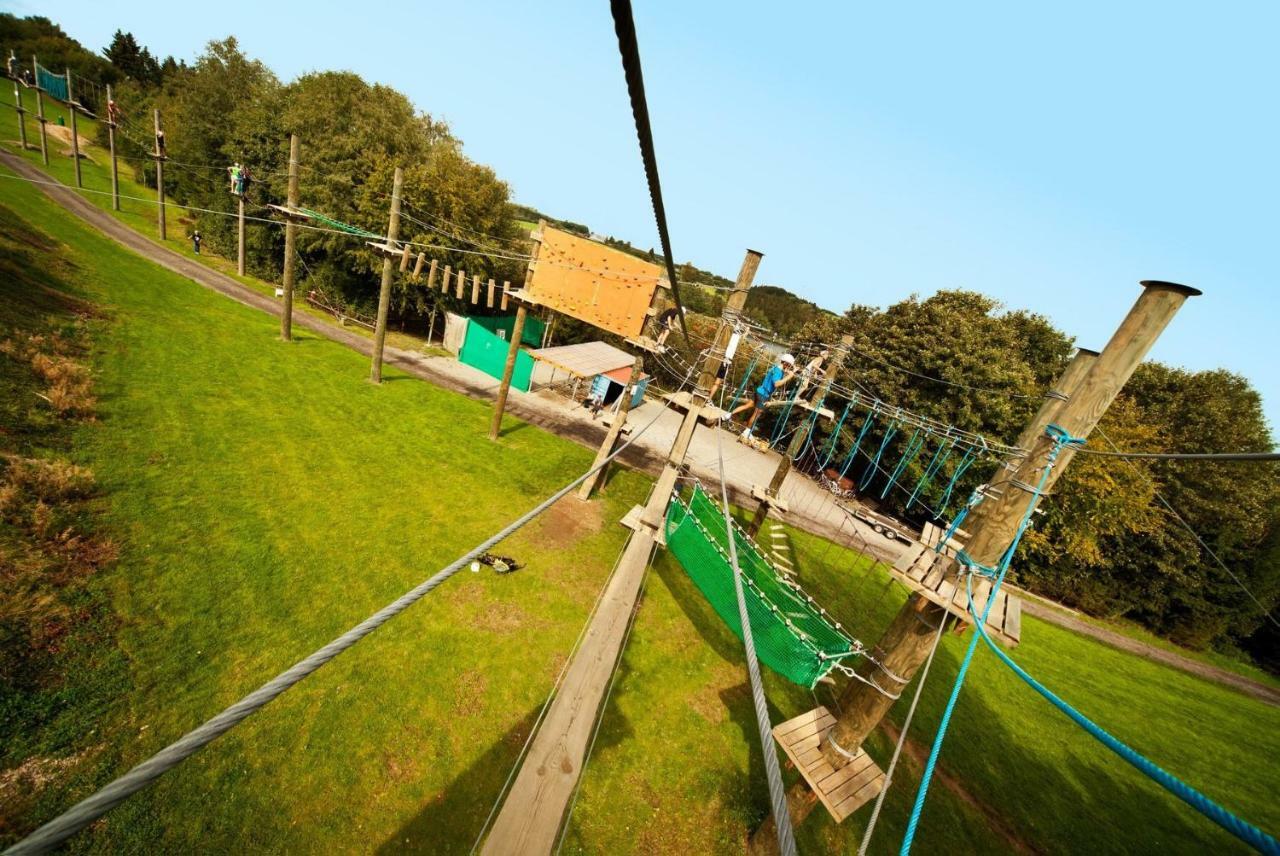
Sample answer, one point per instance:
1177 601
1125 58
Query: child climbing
665 323
811 369
196 238
776 377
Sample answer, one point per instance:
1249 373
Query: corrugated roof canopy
587 359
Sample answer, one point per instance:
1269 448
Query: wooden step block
843 791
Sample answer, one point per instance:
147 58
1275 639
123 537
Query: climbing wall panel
587 280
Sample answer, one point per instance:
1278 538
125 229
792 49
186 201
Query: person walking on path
775 378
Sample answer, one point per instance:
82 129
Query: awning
587 359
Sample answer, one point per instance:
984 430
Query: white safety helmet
788 359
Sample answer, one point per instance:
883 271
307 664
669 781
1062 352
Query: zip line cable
85 812
777 793
625 26
1182 456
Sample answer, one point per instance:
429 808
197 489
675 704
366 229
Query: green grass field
265 497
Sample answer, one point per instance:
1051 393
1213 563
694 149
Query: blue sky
1051 155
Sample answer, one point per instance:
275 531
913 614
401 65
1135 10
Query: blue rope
955 477
786 414
1061 439
1240 828
871 471
835 435
737 396
932 470
908 455
866 423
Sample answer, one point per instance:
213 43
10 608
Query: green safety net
54 84
338 224
793 636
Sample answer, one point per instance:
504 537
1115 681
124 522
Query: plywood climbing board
935 577
842 791
587 280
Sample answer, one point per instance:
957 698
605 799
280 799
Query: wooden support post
44 134
513 348
431 329
111 142
384 293
905 645
22 114
506 288
240 234
475 289
615 430
798 439
462 283
489 298
1063 388
533 812
290 243
75 135
160 158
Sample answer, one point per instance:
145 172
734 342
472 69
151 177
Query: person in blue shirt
776 377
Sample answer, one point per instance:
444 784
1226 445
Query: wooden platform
934 576
288 213
644 343
388 251
842 791
760 494
682 401
825 413
631 520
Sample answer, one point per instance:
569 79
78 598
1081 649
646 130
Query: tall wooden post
905 645
22 114
615 430
240 234
798 439
290 243
533 813
111 143
160 156
384 293
75 136
513 347
44 134
1063 388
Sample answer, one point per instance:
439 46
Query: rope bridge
793 636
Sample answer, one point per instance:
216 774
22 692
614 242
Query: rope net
793 636
54 84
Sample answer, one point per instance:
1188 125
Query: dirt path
1248 686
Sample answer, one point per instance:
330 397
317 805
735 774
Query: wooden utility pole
384 293
905 645
44 134
532 815
75 136
240 234
615 430
111 143
22 114
290 243
769 497
513 347
160 156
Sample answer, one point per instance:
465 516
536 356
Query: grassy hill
259 498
